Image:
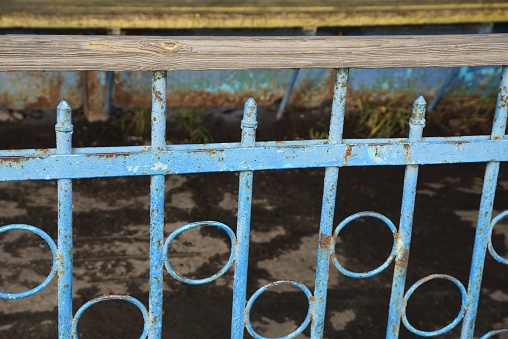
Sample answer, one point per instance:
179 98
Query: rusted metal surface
157 198
224 88
63 130
158 160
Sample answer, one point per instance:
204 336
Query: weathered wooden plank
121 53
178 14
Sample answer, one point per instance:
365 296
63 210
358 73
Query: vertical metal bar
249 125
485 212
63 129
416 124
285 99
309 31
159 80
328 205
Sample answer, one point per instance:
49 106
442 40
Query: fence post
328 205
63 131
485 212
416 124
158 118
241 249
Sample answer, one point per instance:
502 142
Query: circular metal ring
88 304
450 325
265 288
387 262
52 246
490 246
184 228
494 333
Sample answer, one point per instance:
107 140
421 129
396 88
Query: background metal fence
158 160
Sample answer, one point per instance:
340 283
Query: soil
111 249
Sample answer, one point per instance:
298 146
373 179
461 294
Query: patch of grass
136 123
319 132
381 118
480 111
193 124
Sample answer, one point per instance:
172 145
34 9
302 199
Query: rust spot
407 153
16 160
209 152
375 149
497 137
324 240
347 153
157 94
108 155
404 258
312 299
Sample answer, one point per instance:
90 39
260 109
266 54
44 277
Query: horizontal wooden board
180 14
122 53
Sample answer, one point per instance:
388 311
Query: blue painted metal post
249 125
63 131
159 81
485 212
328 206
285 99
416 124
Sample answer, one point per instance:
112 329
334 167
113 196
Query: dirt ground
111 240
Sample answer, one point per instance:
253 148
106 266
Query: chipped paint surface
157 166
160 160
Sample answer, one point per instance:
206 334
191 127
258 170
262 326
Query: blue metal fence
158 160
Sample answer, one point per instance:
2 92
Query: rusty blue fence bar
241 250
63 131
416 124
187 159
157 160
328 205
485 212
158 118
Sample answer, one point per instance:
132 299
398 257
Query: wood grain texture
130 53
179 14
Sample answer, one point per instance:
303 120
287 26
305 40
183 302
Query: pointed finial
249 113
63 105
418 114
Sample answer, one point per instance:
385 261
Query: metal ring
184 228
494 333
88 304
249 124
52 246
490 246
263 289
450 325
387 262
64 129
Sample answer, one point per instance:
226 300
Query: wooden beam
131 53
188 14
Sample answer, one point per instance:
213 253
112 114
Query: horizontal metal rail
129 53
186 159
